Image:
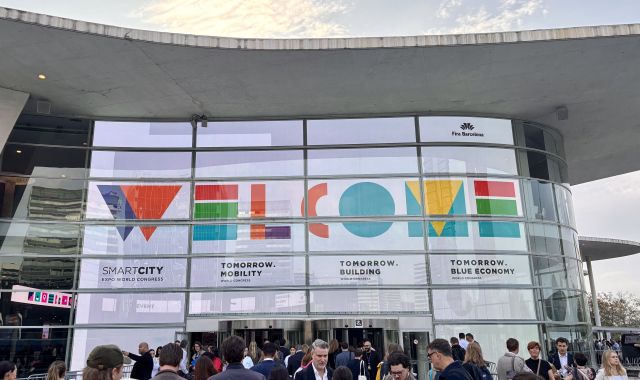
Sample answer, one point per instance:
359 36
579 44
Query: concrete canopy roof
593 248
100 71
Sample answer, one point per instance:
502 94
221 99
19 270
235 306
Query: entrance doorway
356 336
260 336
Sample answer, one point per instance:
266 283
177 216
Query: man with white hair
318 369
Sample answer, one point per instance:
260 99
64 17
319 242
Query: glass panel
465 129
553 271
565 206
537 165
363 198
563 305
126 308
50 130
254 163
138 201
580 338
480 269
131 240
251 133
374 301
141 164
37 198
142 134
551 143
40 161
480 304
366 236
544 239
276 302
84 340
539 200
133 273
476 236
27 306
35 272
367 270
362 161
33 350
240 272
468 160
50 239
235 238
534 137
569 242
492 337
254 200
361 131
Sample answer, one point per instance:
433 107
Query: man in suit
295 361
562 359
318 368
233 352
144 362
266 365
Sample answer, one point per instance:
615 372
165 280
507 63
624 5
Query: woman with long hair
611 367
334 345
57 370
254 352
204 368
8 370
475 364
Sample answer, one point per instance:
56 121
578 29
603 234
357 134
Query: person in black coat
144 362
295 361
456 349
562 359
320 358
370 356
357 366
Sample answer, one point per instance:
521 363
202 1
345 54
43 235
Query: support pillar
594 297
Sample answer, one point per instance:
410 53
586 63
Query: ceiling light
41 76
18 151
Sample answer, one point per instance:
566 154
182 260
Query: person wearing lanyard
370 356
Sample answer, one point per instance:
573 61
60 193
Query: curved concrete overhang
102 71
593 248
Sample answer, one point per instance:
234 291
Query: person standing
345 356
295 361
463 341
580 370
456 349
170 362
8 370
233 353
269 351
562 359
318 368
399 367
357 366
144 362
439 352
510 363
57 370
370 356
475 364
203 369
103 363
611 367
536 364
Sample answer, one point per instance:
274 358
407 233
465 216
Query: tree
617 310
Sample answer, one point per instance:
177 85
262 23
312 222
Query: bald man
144 362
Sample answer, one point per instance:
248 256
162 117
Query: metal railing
76 375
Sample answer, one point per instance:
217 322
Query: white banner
370 270
130 308
480 269
248 271
132 273
248 302
100 240
465 129
483 304
368 300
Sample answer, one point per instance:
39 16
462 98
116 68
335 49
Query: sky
608 208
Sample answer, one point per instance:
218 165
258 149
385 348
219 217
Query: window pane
544 239
100 240
367 270
34 272
558 272
476 236
235 238
37 198
539 200
276 302
50 130
569 242
142 134
565 206
366 236
361 131
126 308
251 133
138 201
27 306
40 161
240 272
141 164
362 161
563 306
373 301
133 273
480 269
465 129
538 165
533 137
247 200
33 350
480 304
249 164
50 239
469 160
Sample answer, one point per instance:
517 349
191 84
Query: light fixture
42 76
199 118
18 151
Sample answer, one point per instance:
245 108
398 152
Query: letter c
314 194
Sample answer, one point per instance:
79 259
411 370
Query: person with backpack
536 364
475 364
510 363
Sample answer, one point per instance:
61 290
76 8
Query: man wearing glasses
439 353
399 367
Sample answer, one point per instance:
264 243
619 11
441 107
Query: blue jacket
265 367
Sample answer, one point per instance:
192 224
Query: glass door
415 345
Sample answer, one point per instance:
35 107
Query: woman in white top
611 367
247 362
156 361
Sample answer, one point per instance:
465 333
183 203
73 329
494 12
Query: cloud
246 18
509 15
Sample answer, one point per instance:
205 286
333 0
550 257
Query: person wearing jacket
439 352
399 367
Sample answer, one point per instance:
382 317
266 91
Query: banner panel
465 129
127 308
366 236
248 271
479 236
100 240
477 304
377 301
479 269
367 270
237 238
133 273
272 302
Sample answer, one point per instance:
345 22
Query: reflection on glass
570 243
278 163
141 164
32 350
51 239
565 206
362 161
361 131
38 129
275 302
544 239
251 133
468 160
373 301
142 134
34 272
232 238
37 198
481 304
563 305
39 161
539 200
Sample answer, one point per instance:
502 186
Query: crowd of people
459 358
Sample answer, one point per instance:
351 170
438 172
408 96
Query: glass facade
134 229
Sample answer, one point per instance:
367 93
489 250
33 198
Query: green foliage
617 310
